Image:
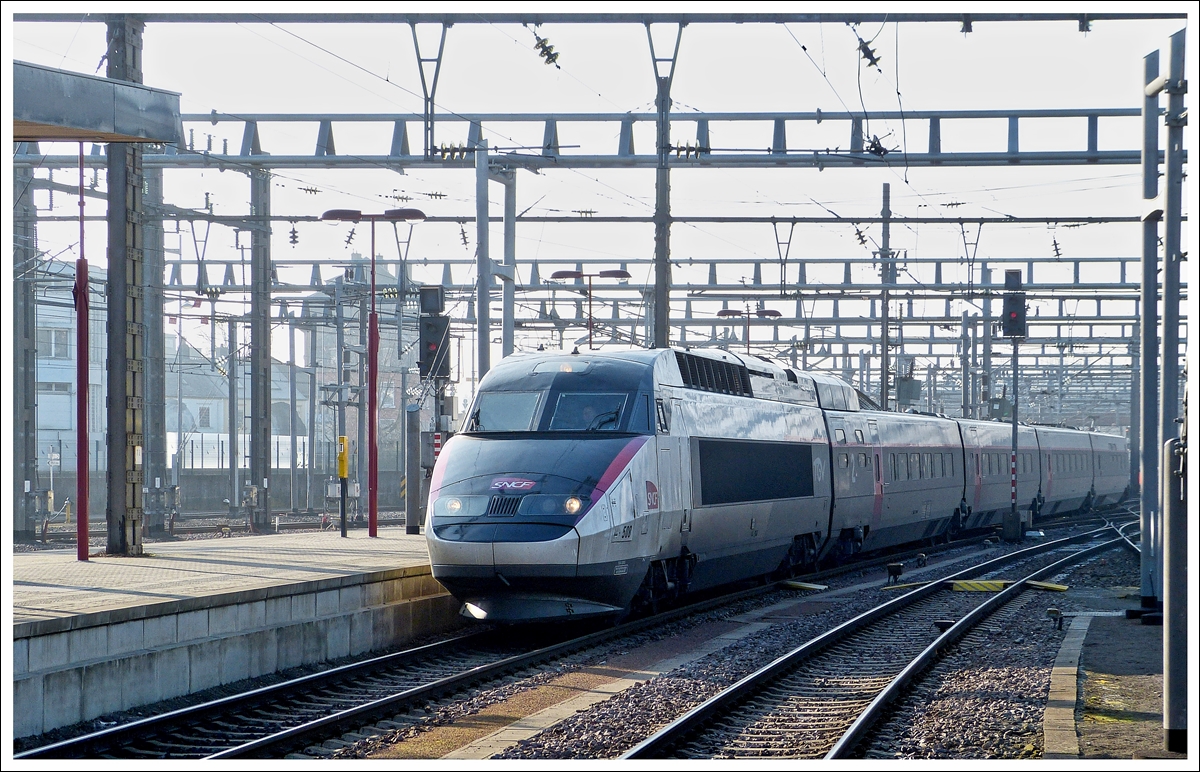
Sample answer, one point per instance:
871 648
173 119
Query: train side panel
1066 469
758 479
988 459
1111 464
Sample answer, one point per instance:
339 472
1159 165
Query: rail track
372 696
820 699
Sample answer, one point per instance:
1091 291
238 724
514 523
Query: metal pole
341 362
985 376
81 385
1012 528
1149 448
292 497
1175 597
510 262
589 278
412 471
1172 257
234 501
1173 493
885 254
966 368
483 264
312 419
373 406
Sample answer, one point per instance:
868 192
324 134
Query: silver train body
583 484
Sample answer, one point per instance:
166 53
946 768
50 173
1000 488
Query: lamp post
762 313
391 215
613 274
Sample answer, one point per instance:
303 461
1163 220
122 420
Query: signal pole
1014 328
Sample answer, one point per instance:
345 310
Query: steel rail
844 746
118 734
661 741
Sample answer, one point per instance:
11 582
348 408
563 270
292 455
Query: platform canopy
56 105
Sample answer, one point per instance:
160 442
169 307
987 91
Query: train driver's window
587 412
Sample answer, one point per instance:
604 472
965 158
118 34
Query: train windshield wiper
609 417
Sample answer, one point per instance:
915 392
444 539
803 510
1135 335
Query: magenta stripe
614 469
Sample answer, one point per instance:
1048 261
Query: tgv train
585 484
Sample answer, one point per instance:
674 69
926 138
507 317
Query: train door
972 470
876 470
671 490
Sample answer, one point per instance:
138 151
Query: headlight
453 506
572 505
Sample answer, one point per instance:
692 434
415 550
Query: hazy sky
263 68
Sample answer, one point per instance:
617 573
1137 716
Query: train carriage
589 484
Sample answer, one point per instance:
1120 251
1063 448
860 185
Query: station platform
114 633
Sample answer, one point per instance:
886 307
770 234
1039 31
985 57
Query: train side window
892 459
664 416
844 460
878 471
858 436
840 434
926 466
937 464
863 461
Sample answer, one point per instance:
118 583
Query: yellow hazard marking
982 585
805 586
903 586
1049 586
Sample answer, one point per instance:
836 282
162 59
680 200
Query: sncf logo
512 484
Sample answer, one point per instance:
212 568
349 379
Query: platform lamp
391 215
612 274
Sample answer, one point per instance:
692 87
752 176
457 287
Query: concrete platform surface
53 584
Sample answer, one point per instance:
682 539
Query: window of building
54 387
54 343
205 418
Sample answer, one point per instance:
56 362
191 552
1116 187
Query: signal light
1014 316
433 360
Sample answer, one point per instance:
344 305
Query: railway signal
433 361
1014 306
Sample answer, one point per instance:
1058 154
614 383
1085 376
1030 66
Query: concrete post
24 425
260 346
126 329
1175 597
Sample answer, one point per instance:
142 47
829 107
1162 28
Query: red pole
81 385
372 405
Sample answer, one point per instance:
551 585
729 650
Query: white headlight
572 505
453 506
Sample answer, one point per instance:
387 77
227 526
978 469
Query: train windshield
586 412
505 411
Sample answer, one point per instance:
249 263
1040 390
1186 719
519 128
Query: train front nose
509 569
